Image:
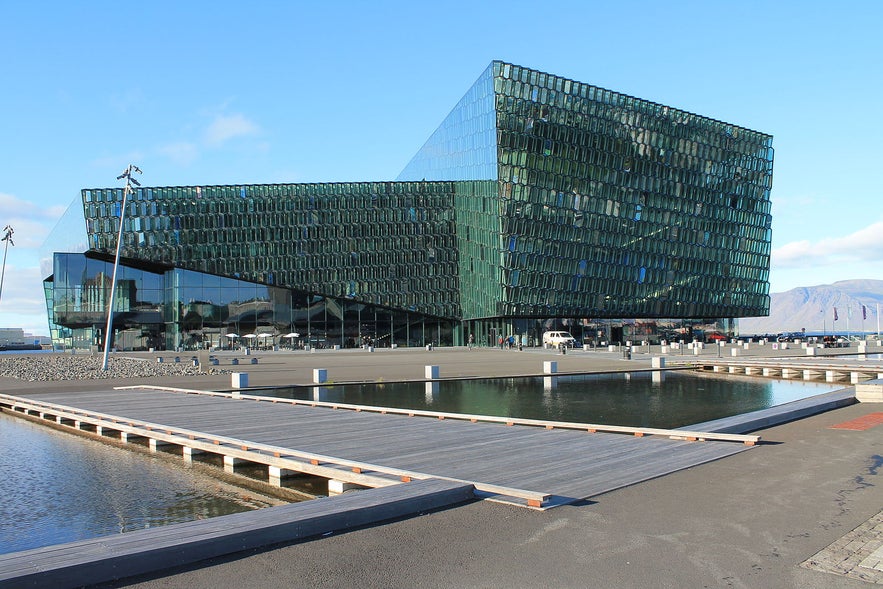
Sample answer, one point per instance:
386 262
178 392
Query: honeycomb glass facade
539 202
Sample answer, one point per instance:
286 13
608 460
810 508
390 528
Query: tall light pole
7 237
127 174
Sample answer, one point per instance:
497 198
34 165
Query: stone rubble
53 367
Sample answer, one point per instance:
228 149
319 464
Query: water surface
677 400
59 487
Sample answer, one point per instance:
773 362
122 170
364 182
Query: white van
555 339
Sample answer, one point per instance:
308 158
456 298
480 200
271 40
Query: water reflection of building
539 203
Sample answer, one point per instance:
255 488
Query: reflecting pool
667 400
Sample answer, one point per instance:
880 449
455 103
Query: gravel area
61 367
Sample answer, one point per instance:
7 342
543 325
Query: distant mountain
812 308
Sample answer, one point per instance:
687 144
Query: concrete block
320 375
870 391
431 372
155 444
336 487
239 380
189 453
657 362
231 462
550 367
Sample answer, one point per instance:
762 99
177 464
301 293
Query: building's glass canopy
539 200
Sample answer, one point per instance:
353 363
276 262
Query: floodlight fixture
7 237
127 174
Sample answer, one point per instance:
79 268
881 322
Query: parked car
556 339
830 341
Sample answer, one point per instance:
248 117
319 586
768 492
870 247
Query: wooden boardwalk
545 467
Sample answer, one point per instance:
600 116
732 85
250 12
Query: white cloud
217 133
14 207
862 245
226 127
182 153
117 161
22 302
30 221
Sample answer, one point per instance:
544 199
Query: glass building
539 203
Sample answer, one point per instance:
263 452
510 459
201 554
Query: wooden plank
111 558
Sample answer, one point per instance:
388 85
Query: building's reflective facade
538 202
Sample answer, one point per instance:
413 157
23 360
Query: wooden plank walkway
548 467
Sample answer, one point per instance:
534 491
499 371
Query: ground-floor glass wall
179 309
175 309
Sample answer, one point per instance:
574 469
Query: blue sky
231 92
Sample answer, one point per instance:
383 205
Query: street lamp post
127 174
7 237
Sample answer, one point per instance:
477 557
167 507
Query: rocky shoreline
55 367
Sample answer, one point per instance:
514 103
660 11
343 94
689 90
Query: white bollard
550 367
320 375
657 362
734 351
431 372
240 380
